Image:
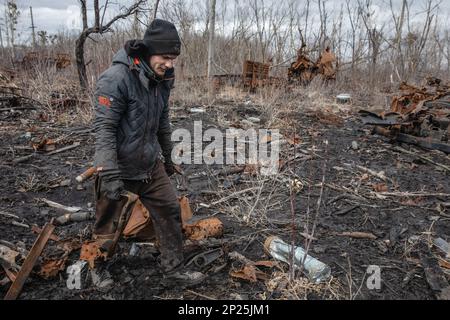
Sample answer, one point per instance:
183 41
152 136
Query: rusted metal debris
91 253
203 229
30 261
255 74
51 268
58 60
418 116
246 269
7 86
304 70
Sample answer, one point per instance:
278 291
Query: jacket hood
121 57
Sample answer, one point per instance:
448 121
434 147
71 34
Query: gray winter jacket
131 119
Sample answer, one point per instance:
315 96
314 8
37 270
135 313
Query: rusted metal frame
38 246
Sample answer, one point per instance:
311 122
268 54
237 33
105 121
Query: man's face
161 63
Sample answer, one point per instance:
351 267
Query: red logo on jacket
104 101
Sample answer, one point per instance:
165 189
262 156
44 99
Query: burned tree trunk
79 56
98 28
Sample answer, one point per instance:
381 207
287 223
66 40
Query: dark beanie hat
162 38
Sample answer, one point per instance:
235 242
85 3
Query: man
132 127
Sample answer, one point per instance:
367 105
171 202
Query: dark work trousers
159 198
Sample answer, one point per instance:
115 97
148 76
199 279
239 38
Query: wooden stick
23 159
2 213
423 158
201 295
414 194
18 224
60 206
30 261
86 175
231 196
75 145
358 235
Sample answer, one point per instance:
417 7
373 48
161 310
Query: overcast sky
57 15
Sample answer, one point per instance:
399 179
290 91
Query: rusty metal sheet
255 74
421 142
58 60
51 268
305 70
30 261
90 252
249 273
388 119
203 229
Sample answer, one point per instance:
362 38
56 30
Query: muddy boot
101 277
184 278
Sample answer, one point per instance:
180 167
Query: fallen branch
341 189
9 215
75 145
378 175
201 295
23 159
440 165
18 224
358 235
346 211
231 196
413 194
59 206
17 108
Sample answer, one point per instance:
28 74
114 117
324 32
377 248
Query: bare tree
155 9
374 34
13 14
100 28
212 29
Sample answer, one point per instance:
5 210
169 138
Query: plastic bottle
314 269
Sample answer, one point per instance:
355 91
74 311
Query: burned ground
397 202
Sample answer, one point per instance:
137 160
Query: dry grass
58 93
302 289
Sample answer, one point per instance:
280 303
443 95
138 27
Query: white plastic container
315 270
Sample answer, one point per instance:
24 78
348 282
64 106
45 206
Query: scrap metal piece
389 119
305 70
203 229
75 217
30 261
255 74
90 252
51 268
421 142
205 259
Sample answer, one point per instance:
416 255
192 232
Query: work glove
111 185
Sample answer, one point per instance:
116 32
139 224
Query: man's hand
112 187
